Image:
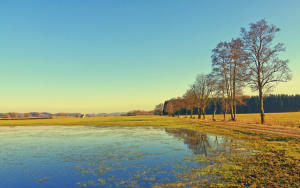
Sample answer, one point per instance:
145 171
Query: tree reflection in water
200 143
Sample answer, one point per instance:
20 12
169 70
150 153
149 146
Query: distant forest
272 103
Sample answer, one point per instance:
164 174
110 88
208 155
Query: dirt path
283 131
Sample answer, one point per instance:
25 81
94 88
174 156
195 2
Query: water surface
88 156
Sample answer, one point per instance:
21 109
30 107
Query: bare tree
170 108
221 71
216 94
203 89
159 109
190 100
175 106
179 104
186 105
229 62
27 115
13 115
238 72
266 68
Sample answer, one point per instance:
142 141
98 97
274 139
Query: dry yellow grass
154 121
289 119
285 124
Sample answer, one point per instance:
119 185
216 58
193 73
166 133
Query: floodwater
101 156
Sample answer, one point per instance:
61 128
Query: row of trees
139 113
249 61
245 104
15 115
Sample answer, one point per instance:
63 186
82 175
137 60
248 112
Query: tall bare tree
203 89
221 70
229 62
238 72
266 68
216 94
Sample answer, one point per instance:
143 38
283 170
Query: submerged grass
275 162
154 121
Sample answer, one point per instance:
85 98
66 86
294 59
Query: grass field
290 119
276 164
155 121
284 124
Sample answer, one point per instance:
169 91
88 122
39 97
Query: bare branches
267 68
158 110
251 61
230 65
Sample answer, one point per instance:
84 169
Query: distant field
284 124
290 119
156 121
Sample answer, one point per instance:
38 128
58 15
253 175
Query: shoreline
158 121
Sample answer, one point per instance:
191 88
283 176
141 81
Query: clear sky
108 56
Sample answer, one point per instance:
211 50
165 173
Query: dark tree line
272 103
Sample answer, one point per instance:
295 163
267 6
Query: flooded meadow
106 156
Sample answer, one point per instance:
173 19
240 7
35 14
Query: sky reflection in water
70 156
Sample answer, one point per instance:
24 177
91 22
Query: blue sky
107 56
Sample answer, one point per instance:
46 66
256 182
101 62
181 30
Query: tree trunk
215 110
225 111
230 102
199 113
261 100
235 112
203 112
230 91
231 110
261 97
191 115
234 92
224 105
